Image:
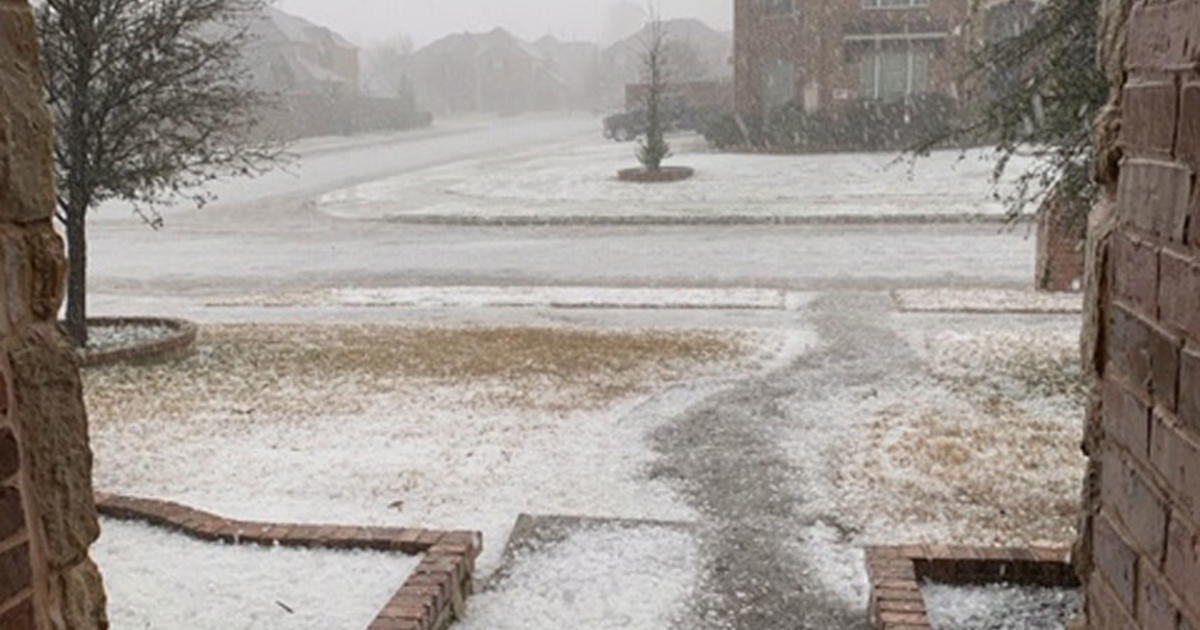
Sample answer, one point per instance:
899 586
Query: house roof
276 25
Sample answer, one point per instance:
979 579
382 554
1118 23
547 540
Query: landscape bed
940 587
116 339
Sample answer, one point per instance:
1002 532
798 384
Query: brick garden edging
431 599
182 339
896 574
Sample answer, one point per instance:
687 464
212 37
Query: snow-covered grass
999 607
101 338
579 179
157 580
978 444
986 301
448 428
530 296
597 579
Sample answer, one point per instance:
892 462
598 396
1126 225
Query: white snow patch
580 179
112 337
528 297
419 458
600 579
999 606
838 565
158 580
986 301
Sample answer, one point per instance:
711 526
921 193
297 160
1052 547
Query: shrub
862 125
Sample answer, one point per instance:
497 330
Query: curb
183 338
718 220
432 598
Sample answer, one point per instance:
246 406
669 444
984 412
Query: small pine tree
654 149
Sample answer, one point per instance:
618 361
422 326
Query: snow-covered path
891 431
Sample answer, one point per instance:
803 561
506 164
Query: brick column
1139 552
47 513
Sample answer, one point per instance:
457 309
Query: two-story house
819 53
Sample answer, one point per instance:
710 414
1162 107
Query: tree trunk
76 323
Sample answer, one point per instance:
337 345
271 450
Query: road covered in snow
782 394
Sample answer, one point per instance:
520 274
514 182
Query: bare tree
386 68
654 149
150 101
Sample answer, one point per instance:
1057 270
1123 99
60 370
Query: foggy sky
369 21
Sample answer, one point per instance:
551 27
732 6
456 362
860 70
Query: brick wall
1061 231
1140 535
47 512
824 40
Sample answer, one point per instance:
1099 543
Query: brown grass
999 456
307 370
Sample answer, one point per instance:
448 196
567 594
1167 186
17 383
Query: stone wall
1139 551
47 512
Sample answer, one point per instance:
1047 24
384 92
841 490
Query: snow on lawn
552 297
999 607
579 179
986 301
598 579
112 337
446 428
156 580
978 444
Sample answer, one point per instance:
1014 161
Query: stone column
47 513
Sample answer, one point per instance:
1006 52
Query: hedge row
863 125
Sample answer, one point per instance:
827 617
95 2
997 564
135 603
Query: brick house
292 56
819 53
485 72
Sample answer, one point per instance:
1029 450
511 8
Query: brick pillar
47 514
1061 232
1139 550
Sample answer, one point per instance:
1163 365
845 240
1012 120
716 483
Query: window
892 75
780 79
780 7
894 4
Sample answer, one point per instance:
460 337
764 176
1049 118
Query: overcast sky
367 21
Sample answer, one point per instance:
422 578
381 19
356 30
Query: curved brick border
183 338
896 574
663 175
431 599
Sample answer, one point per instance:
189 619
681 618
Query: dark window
780 7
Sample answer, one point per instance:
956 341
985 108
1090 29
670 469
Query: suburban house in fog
485 72
820 53
315 76
817 53
696 52
294 56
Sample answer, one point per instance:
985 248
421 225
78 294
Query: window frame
772 10
875 57
785 68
